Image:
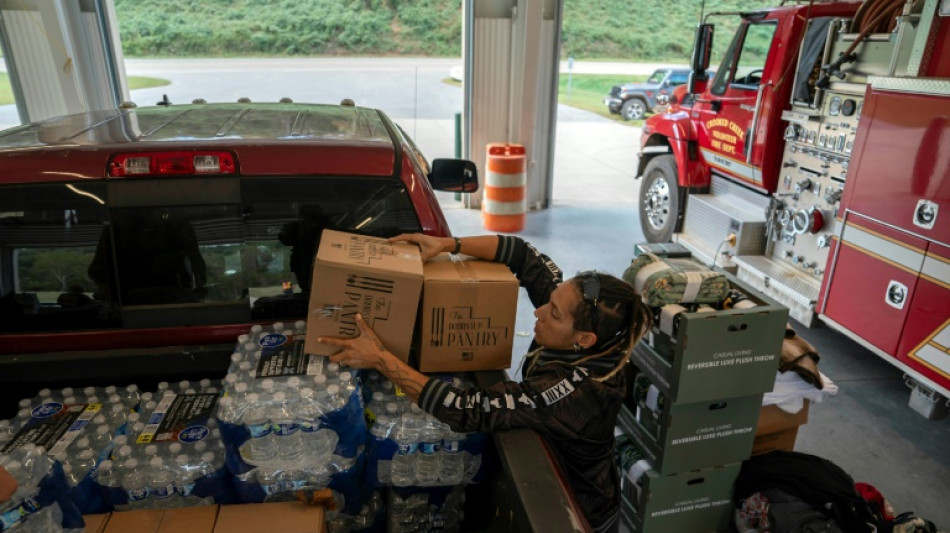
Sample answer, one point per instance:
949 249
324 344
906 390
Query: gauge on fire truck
848 107
834 106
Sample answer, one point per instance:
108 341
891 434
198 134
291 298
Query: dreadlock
622 318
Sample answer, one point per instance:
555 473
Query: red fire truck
814 164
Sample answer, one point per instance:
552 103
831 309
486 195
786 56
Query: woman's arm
367 351
481 246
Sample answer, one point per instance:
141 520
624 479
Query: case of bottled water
171 454
42 501
78 427
407 447
290 421
424 510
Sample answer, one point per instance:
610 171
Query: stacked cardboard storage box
692 411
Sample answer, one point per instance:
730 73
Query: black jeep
633 100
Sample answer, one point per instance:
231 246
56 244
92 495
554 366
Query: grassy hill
644 30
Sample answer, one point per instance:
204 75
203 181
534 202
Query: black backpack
814 480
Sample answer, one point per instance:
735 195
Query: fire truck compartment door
900 171
925 344
874 278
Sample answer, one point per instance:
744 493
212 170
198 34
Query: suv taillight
171 163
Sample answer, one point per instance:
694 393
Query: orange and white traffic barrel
504 205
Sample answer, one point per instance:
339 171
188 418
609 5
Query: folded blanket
663 281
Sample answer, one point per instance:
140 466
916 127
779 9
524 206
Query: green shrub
645 30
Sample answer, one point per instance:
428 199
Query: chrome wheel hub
657 203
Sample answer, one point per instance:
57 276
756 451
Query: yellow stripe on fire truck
891 251
936 270
934 351
735 166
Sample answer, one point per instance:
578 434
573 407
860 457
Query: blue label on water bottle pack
451 446
10 518
259 430
160 493
137 495
185 489
272 340
429 448
283 485
193 433
285 429
47 409
406 449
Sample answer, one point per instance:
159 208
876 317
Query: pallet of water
291 421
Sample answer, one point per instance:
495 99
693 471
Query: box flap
141 521
772 419
443 268
95 523
369 252
189 520
285 517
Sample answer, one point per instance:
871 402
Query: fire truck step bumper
790 287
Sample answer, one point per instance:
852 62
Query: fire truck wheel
633 109
659 199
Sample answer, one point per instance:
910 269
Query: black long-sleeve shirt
575 413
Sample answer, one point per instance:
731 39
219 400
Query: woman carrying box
571 388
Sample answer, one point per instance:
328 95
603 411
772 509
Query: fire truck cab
812 166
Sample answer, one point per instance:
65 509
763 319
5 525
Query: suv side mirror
702 47
454 175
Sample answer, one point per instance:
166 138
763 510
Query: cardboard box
359 274
697 501
182 520
467 316
695 435
95 523
285 517
720 354
777 429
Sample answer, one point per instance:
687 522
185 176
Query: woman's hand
8 485
429 245
365 351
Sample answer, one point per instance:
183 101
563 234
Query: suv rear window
148 253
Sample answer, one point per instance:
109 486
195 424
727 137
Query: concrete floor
867 428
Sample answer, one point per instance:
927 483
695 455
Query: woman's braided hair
622 317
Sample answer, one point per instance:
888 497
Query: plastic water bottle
407 442
427 462
451 466
380 432
161 486
261 445
82 465
135 482
285 428
110 485
101 439
335 399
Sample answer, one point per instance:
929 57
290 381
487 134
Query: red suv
140 243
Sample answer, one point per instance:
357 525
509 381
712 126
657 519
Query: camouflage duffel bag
663 281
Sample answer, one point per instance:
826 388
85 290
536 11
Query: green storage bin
717 354
690 502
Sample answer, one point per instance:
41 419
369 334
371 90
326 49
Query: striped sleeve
434 391
536 272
